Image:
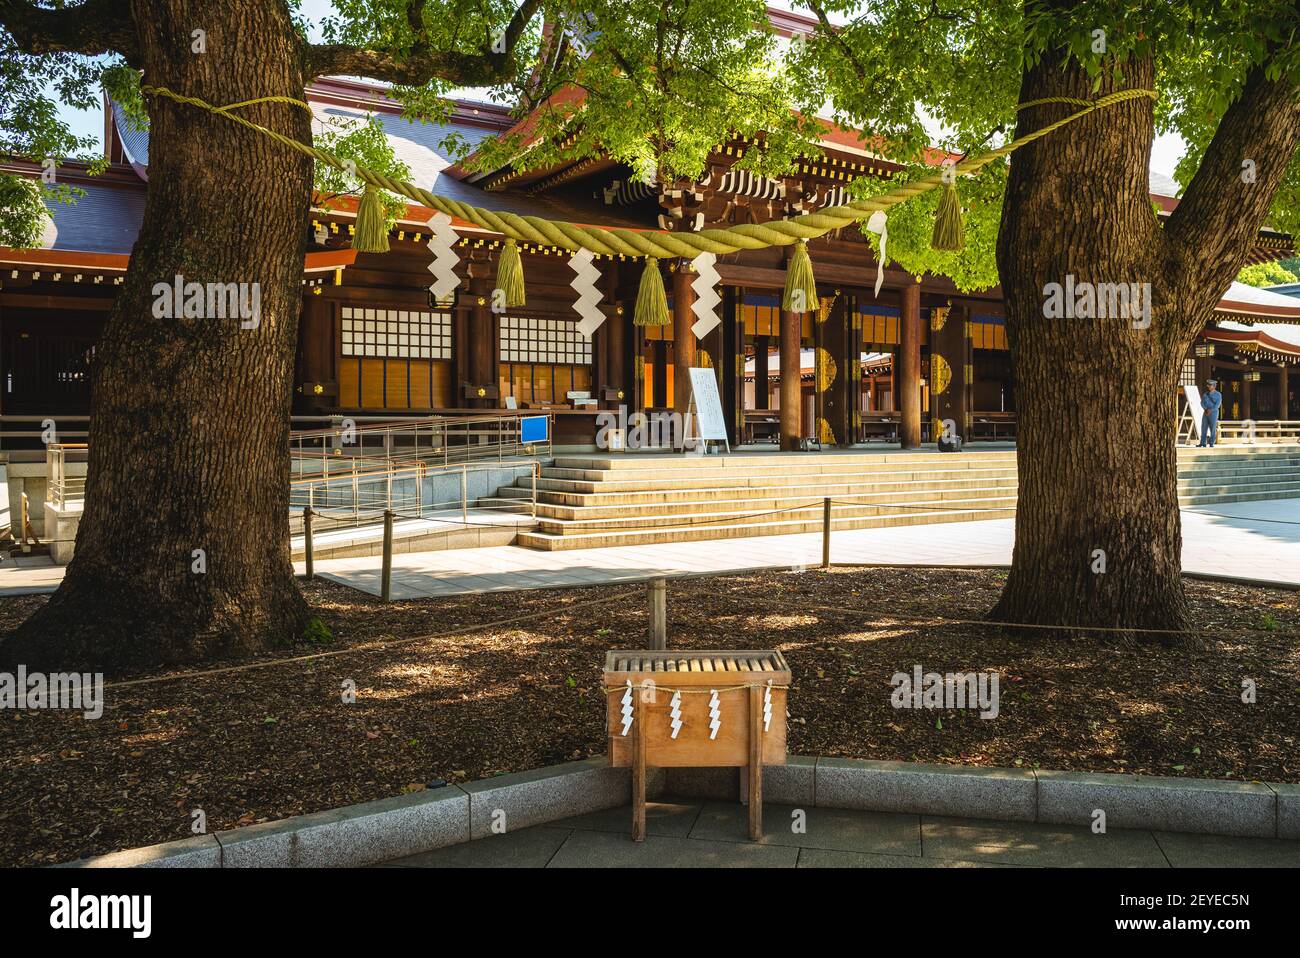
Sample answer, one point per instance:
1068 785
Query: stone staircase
589 501
595 501
1238 474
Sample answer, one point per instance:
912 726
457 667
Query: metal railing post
536 469
306 542
464 495
386 576
826 533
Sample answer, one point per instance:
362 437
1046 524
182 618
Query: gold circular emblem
940 374
826 370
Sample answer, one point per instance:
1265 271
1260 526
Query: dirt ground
519 687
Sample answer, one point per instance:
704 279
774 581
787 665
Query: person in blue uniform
1211 402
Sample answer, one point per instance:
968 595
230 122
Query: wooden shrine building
858 368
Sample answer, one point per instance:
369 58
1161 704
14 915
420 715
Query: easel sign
1194 410
706 404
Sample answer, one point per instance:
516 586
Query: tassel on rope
800 287
371 234
651 300
948 230
510 274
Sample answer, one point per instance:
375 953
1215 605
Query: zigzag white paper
442 242
767 705
588 304
706 295
877 224
627 707
675 711
715 714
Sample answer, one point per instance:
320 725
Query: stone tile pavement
1251 540
692 834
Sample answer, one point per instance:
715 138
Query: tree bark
1098 530
183 550
1096 459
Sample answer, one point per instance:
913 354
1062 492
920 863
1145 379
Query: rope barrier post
826 533
657 592
386 577
306 542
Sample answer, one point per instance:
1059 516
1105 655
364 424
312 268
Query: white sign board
708 405
1193 394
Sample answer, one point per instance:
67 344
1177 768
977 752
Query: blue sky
1165 152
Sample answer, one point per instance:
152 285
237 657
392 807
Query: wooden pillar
613 341
762 350
791 386
317 356
482 340
683 338
950 371
1247 395
1283 405
907 368
839 370
732 363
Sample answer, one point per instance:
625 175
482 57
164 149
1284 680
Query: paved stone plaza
1250 540
1257 541
695 834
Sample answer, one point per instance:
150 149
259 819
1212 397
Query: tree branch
1218 219
421 63
95 27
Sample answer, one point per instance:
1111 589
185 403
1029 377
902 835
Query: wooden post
1283 391
907 370
683 338
791 385
306 541
386 576
755 762
950 359
657 590
638 766
762 382
826 533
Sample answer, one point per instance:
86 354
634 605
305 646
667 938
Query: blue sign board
533 428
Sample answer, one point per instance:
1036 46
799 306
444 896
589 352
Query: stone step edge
811 512
403 825
576 540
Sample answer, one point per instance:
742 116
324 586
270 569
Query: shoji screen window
543 360
396 333
394 358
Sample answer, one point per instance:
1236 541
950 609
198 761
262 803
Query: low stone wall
424 821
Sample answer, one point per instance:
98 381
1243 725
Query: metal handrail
440 438
1267 430
60 487
366 506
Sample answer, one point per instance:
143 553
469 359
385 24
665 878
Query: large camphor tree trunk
183 550
1098 538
